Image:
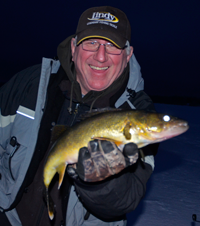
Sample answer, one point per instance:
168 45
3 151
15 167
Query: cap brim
103 34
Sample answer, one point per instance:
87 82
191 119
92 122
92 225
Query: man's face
97 70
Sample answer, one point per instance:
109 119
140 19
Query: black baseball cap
104 22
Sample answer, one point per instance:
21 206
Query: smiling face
97 70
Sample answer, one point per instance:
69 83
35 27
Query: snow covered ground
173 191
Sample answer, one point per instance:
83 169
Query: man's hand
102 159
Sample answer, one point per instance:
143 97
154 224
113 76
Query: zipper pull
14 143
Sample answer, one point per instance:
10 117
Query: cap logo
104 16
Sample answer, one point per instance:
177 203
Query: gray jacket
20 119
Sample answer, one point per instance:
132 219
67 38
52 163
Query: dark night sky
165 37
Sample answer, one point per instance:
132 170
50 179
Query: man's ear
73 46
130 54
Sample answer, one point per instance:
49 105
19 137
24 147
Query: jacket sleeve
120 194
12 94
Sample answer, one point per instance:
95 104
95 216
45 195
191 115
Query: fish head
154 127
164 127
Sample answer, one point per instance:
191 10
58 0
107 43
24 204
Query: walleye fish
121 127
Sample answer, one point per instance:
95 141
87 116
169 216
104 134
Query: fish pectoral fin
118 143
61 171
126 131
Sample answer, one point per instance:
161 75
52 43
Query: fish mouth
173 132
98 68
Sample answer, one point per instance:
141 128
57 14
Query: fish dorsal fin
98 111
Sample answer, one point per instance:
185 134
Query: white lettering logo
104 16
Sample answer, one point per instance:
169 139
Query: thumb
130 152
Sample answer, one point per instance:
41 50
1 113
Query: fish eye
166 118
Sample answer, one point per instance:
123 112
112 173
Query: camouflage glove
102 159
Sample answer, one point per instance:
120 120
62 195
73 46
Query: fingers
84 154
85 163
107 146
102 159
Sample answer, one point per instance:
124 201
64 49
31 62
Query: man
96 69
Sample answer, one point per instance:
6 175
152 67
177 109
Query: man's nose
101 54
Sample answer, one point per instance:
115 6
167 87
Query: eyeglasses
93 46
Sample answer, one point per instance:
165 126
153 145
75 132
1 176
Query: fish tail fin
50 205
61 172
